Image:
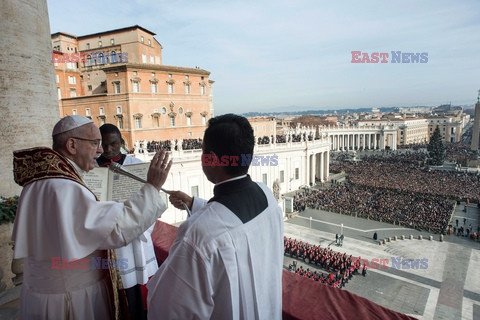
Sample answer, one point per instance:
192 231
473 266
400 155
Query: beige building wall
451 128
68 84
92 53
63 42
409 131
284 125
147 115
294 165
412 131
419 130
134 41
147 100
263 126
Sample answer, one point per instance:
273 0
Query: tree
436 149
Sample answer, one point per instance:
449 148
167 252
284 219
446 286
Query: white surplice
61 219
138 254
218 267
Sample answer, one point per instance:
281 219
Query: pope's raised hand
159 169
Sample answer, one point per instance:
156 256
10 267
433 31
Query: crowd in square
396 188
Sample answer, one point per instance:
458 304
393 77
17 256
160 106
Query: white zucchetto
69 123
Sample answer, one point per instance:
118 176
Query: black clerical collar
241 196
231 185
231 179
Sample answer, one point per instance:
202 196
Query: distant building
409 130
284 125
410 110
331 120
451 127
412 131
263 126
447 108
418 129
118 77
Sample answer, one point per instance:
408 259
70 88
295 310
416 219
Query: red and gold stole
30 165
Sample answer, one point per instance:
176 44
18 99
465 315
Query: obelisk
476 124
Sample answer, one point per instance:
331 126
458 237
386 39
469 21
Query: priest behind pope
65 234
227 259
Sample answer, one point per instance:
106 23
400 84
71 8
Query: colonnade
318 166
355 141
362 138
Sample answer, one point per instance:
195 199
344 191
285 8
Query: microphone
118 168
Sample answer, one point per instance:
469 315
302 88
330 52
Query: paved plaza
446 286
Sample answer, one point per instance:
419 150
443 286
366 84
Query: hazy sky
269 55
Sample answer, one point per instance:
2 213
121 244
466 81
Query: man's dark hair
230 135
108 128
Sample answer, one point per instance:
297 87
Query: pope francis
65 234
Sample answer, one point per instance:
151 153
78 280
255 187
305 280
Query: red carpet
302 298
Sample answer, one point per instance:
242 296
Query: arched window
114 58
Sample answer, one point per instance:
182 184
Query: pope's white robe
221 268
139 255
61 219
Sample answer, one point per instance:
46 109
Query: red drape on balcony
302 298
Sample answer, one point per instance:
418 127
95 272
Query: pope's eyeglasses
95 142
